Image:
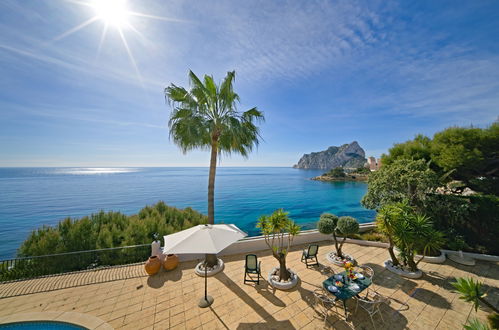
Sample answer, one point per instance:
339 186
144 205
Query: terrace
125 297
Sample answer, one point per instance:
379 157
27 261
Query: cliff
347 156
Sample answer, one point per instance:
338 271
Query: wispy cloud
94 115
270 40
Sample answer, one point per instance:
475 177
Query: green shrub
470 222
493 320
109 229
337 172
327 223
347 226
362 170
374 237
96 232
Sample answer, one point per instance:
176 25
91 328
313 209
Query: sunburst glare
115 14
112 12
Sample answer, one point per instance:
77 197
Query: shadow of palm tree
270 321
428 297
267 291
482 268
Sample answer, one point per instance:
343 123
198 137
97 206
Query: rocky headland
347 156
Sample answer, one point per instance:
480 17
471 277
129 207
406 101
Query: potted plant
330 224
409 232
279 230
431 251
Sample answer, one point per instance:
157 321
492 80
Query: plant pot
171 262
431 259
402 272
282 285
461 259
152 266
199 270
333 258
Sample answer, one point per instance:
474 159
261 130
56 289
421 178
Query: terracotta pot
171 262
153 265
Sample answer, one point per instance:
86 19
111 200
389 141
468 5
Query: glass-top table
347 289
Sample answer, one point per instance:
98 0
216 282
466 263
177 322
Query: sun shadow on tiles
485 269
270 324
357 319
218 318
428 297
270 321
385 278
157 281
267 291
323 269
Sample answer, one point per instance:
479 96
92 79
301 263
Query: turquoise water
32 197
48 325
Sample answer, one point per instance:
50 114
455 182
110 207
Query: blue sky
324 72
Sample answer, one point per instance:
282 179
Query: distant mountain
346 156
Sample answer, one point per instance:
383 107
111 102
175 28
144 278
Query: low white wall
254 244
477 256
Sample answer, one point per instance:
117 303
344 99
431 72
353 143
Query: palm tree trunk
211 183
284 274
395 261
338 252
211 259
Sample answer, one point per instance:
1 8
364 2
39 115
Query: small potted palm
330 224
279 230
408 232
431 250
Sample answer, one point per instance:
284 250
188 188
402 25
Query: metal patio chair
310 253
252 266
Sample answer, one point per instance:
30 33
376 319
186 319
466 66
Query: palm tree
206 117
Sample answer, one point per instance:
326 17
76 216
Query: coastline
348 177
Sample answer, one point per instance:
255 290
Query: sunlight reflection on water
96 170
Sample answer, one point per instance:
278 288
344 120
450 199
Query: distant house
373 164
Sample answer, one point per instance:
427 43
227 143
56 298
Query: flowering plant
349 270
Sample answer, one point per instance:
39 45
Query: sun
112 12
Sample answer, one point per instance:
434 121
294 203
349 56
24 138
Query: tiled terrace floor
126 298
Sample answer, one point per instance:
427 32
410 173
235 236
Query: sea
34 197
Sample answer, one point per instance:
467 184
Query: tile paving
127 298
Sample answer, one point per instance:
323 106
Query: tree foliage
109 229
279 231
336 172
457 153
419 148
404 179
327 223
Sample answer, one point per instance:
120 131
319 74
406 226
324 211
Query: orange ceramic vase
171 262
153 265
